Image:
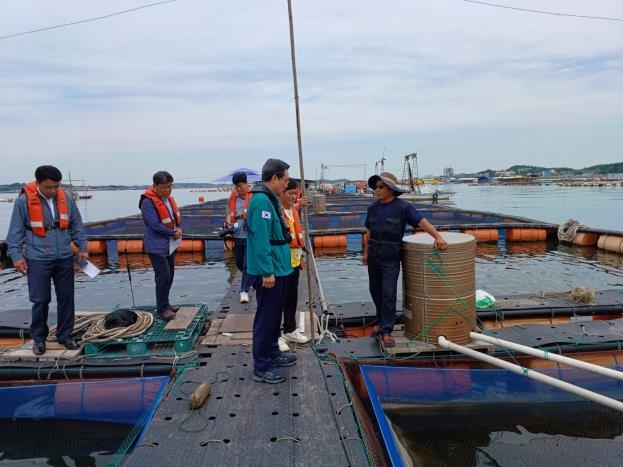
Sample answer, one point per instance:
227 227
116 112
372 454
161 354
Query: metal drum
320 203
439 288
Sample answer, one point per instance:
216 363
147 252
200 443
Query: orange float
130 246
192 245
483 235
94 247
612 243
585 239
330 251
202 199
330 241
526 235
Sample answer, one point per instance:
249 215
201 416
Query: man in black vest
385 223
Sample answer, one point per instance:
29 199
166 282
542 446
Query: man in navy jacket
162 220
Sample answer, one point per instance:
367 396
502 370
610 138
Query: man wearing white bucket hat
385 222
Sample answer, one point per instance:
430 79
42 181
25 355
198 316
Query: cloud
200 84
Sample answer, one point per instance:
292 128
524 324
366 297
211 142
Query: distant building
448 173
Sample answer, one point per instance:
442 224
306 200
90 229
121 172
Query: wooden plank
54 351
238 322
183 318
212 334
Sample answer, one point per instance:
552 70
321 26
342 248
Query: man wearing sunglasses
385 224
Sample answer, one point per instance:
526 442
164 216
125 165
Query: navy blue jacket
157 235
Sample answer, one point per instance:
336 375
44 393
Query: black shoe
167 315
38 348
174 309
69 344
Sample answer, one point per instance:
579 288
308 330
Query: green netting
90 422
493 417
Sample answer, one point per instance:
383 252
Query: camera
227 231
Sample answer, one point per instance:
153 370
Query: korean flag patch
266 215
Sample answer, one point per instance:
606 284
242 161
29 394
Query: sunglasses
380 187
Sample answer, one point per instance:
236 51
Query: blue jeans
240 256
164 270
40 275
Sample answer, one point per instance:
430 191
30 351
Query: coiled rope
93 330
568 230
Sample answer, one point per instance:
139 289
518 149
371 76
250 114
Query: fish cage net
88 421
433 416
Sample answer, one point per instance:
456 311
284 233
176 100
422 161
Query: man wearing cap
385 225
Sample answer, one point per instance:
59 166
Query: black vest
285 228
385 242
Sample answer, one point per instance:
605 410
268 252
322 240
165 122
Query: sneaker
270 377
244 297
284 360
297 337
283 345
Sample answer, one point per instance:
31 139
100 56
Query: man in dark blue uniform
385 223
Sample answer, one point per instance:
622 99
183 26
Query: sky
200 87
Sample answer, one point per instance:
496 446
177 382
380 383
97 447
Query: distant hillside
601 169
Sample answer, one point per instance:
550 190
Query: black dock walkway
305 421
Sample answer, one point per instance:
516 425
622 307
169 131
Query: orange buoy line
525 235
330 241
613 243
483 235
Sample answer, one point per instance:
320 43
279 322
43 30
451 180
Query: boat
416 190
78 192
6 200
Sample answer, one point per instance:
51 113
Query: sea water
575 433
596 207
500 268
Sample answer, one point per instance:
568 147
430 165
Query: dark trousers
40 275
383 282
291 299
267 323
164 270
240 256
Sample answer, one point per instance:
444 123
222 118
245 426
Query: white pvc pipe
548 356
568 387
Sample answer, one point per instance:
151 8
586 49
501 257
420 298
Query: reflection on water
569 433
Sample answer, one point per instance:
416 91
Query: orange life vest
297 236
35 209
232 206
163 211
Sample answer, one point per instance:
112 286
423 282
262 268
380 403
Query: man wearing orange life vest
236 219
290 198
44 223
162 220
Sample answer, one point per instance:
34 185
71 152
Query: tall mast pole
300 149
